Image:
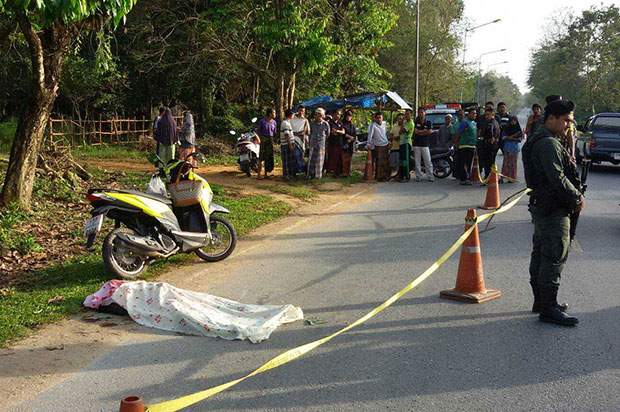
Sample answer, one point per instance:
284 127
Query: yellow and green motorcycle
150 226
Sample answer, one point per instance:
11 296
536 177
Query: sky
519 31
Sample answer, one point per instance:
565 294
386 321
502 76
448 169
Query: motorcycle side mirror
581 128
232 132
199 157
254 119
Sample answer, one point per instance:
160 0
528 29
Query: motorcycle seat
159 198
439 150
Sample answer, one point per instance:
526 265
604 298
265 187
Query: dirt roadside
56 351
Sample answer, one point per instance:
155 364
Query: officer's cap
559 108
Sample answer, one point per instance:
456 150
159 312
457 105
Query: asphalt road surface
424 353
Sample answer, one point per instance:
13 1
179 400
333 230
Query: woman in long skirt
349 141
382 171
188 138
512 136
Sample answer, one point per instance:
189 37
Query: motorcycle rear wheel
442 169
223 242
119 261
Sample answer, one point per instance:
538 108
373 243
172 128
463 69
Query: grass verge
59 289
117 152
299 192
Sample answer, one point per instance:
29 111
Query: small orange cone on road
369 171
492 201
131 403
470 277
475 170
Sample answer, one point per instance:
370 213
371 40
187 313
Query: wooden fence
66 132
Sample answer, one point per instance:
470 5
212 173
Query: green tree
441 74
500 88
50 29
586 54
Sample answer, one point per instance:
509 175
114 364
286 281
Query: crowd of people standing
325 143
168 136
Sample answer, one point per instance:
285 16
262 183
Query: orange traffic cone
492 201
131 404
470 277
475 170
369 171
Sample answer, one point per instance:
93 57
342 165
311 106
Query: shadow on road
390 360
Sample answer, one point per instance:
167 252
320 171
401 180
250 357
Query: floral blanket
163 306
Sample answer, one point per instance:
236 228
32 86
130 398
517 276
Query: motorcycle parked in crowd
248 150
443 161
149 226
442 157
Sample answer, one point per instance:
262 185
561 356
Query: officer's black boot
550 311
537 301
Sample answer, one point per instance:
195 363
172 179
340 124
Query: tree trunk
47 54
290 91
25 149
280 89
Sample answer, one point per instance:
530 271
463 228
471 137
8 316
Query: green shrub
7 132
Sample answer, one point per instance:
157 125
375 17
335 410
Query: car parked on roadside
599 139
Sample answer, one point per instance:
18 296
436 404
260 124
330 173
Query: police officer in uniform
550 174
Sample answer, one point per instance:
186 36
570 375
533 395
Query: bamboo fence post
115 126
100 135
50 126
62 126
72 125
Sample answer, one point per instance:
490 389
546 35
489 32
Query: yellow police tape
292 354
494 169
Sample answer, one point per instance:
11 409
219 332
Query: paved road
421 354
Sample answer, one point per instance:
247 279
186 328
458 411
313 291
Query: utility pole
465 45
417 54
480 71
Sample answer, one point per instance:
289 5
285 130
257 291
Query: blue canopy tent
387 101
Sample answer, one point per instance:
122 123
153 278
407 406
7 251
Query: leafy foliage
47 13
441 75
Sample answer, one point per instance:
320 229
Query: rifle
574 216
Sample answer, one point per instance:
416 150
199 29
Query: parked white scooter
248 149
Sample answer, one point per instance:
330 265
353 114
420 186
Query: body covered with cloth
163 306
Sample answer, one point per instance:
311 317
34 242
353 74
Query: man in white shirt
379 143
301 133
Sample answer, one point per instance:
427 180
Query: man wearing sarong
301 132
334 145
289 163
319 131
266 131
378 141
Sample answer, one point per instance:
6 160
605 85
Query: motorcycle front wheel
442 169
120 261
223 240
